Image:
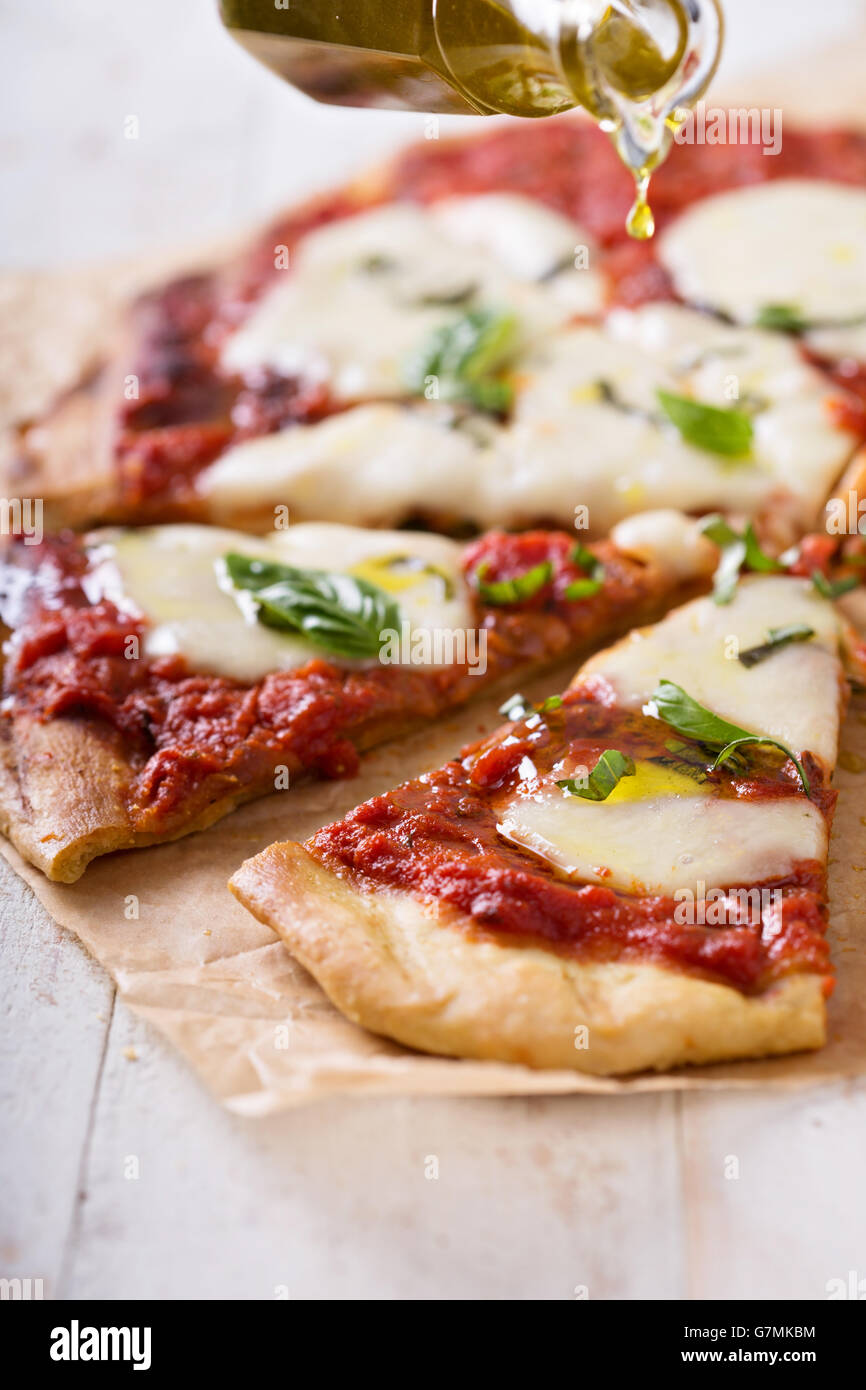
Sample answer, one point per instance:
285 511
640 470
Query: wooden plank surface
120 1177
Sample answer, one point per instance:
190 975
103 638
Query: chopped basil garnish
609 395
781 318
516 707
829 588
340 613
671 703
725 432
608 772
687 755
777 637
737 550
465 357
461 295
522 586
378 264
789 318
594 570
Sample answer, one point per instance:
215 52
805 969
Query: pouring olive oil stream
638 66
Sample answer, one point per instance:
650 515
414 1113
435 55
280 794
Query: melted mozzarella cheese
588 428
672 542
174 577
528 240
794 242
660 840
792 696
660 831
370 464
364 293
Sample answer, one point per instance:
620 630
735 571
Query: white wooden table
734 1196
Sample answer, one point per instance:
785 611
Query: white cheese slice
792 696
175 578
371 464
570 444
794 242
647 839
364 293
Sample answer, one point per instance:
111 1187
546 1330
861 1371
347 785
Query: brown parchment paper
186 956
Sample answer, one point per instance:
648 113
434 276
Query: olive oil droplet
640 222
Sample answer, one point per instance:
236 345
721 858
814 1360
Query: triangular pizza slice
154 679
630 876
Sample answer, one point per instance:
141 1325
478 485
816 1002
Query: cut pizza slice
630 876
155 679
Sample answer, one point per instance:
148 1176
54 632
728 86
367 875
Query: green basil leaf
465 356
690 718
671 703
777 637
592 567
608 772
737 550
781 318
696 757
491 394
340 613
725 432
517 707
449 298
515 590
828 588
732 747
378 264
582 588
727 575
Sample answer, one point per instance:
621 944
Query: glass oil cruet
638 66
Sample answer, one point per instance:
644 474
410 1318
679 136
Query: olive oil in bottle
633 64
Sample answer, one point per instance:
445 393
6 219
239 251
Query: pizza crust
64 796
420 974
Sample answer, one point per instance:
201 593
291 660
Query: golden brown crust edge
420 976
63 796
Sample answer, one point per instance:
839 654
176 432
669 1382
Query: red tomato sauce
183 732
437 838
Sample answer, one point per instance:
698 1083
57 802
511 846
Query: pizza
468 339
429 434
156 677
629 876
